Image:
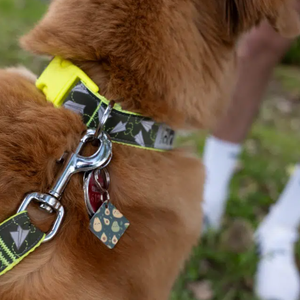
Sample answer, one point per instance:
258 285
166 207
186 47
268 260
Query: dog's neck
64 84
100 73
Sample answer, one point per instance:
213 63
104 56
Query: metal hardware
51 202
86 189
74 163
104 118
106 178
95 191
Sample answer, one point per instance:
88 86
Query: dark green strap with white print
122 127
18 238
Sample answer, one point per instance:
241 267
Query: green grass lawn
16 18
222 266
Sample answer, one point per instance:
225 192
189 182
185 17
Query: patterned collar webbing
18 238
123 128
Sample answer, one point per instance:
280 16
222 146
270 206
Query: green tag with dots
108 224
18 238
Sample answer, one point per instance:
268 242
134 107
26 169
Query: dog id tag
93 195
108 224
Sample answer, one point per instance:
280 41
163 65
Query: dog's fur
172 60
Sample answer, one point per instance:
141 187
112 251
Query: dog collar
64 84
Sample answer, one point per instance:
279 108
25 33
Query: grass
17 17
227 261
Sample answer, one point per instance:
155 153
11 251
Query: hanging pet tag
108 224
96 186
93 195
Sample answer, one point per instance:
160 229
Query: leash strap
123 128
18 238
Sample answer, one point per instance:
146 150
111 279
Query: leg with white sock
220 160
277 275
258 54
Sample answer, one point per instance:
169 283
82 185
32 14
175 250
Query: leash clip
74 163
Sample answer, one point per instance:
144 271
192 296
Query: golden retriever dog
171 60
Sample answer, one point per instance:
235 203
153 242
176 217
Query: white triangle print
19 236
75 107
139 139
100 112
120 127
147 125
81 88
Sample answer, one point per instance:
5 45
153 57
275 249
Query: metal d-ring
48 201
106 178
104 118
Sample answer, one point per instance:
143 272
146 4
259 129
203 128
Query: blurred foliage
17 18
293 55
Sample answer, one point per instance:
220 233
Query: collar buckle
59 78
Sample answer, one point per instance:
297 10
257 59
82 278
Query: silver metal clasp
73 163
104 118
52 204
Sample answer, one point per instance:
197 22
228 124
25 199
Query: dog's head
169 59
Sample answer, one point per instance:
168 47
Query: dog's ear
286 20
237 13
242 15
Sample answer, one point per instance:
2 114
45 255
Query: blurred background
223 265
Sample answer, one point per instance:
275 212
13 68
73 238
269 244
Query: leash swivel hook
74 163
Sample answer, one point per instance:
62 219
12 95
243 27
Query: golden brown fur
168 59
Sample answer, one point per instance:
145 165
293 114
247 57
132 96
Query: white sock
220 158
277 275
286 212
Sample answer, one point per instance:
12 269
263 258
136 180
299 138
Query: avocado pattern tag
108 224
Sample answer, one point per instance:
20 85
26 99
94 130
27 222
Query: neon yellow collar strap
65 84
